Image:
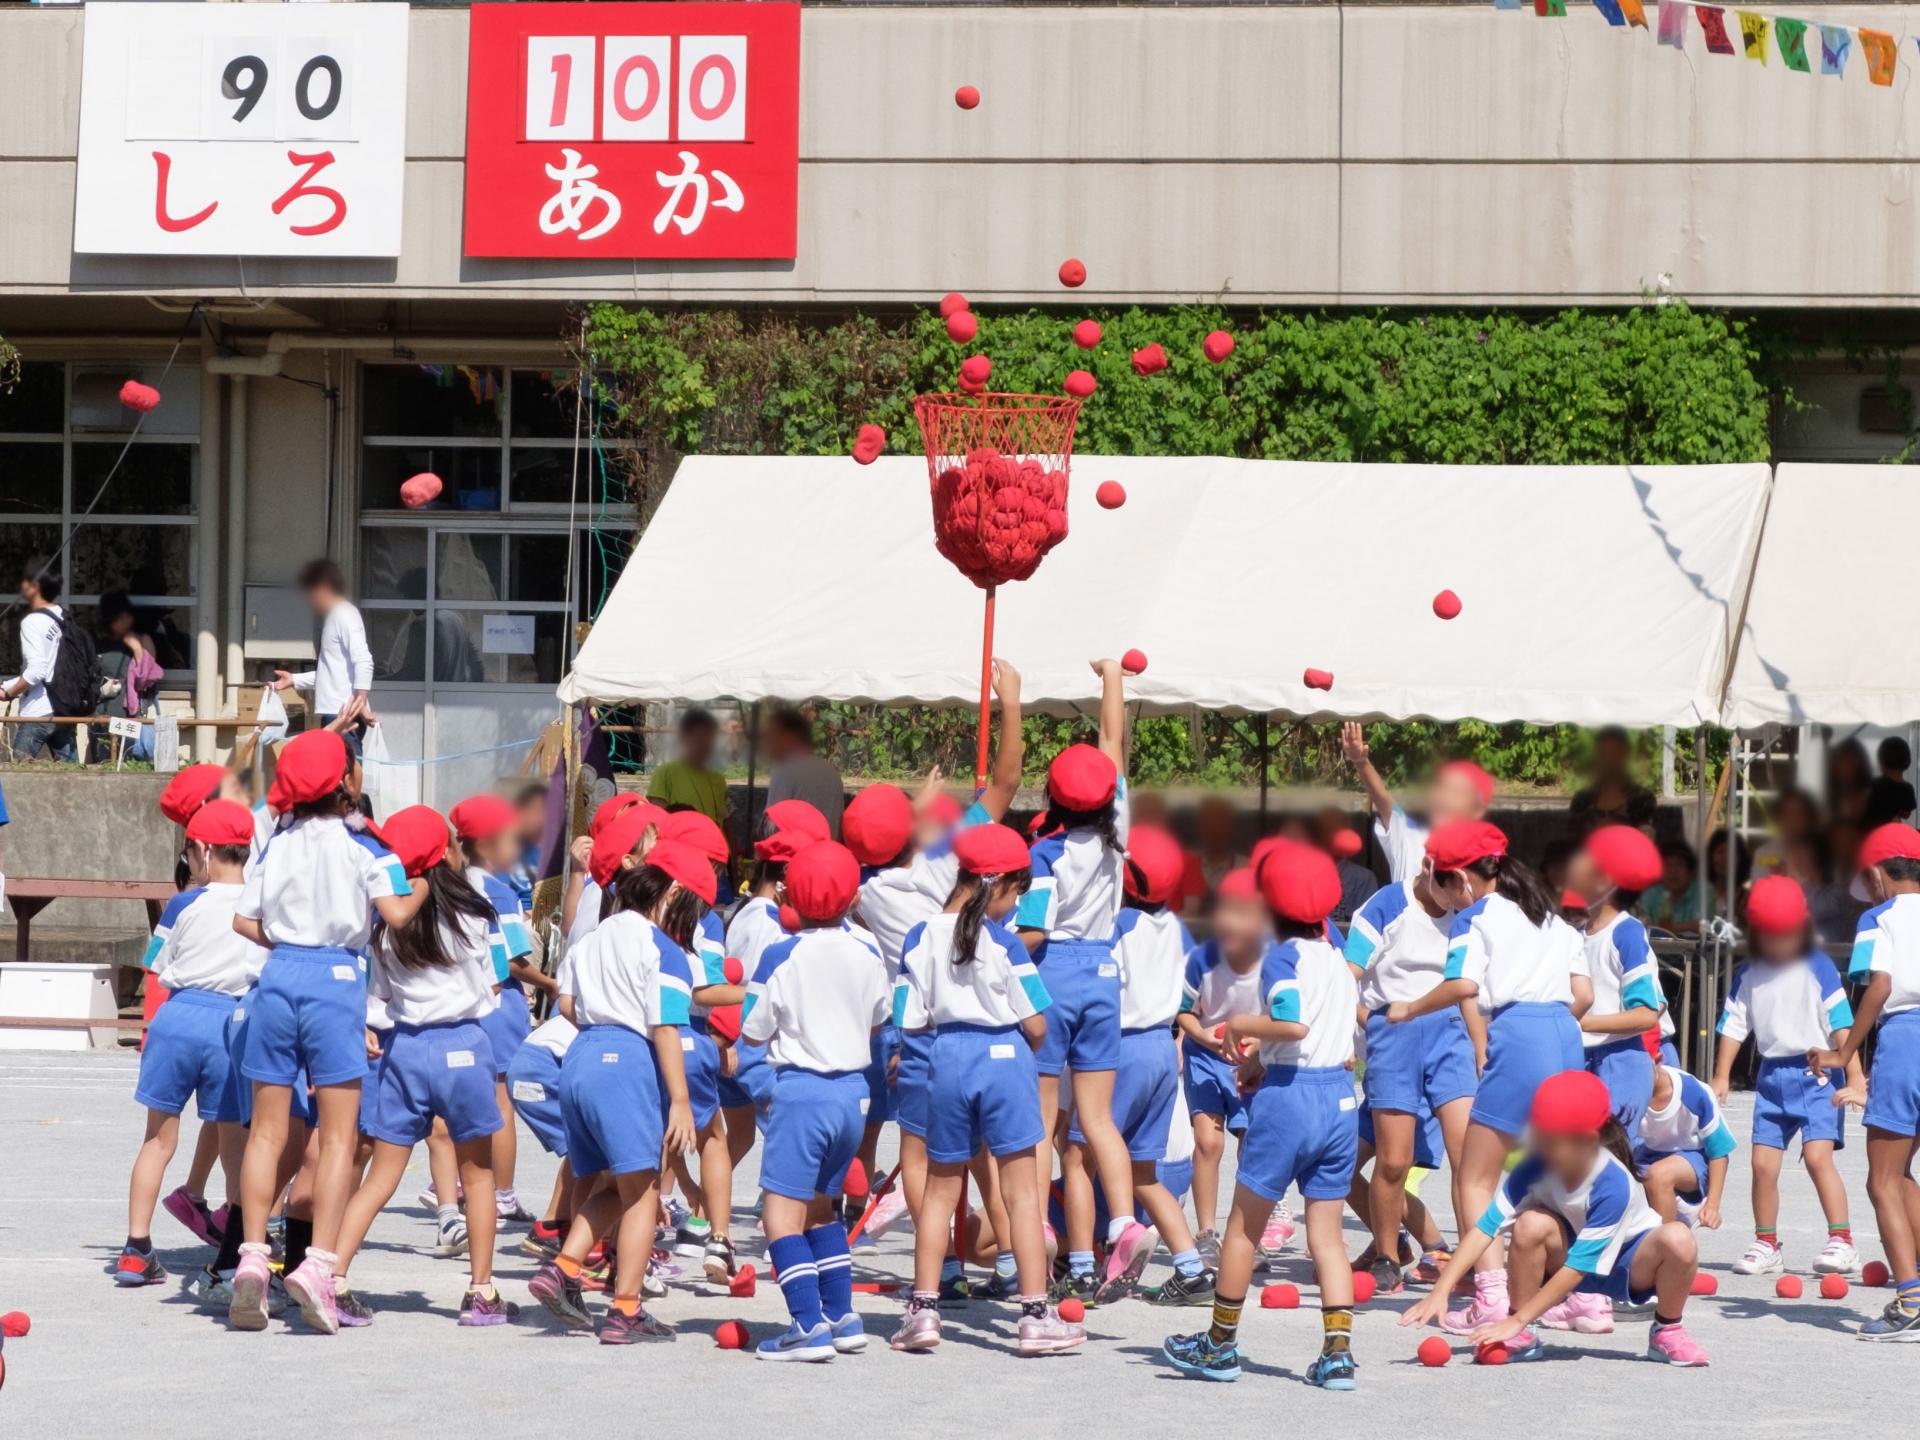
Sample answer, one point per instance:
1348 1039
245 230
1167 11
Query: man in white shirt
798 773
343 672
39 646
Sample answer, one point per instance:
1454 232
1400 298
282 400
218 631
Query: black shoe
1183 1290
1387 1279
1075 1287
955 1291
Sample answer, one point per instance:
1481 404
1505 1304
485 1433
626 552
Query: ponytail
1613 1136
418 944
973 911
1104 820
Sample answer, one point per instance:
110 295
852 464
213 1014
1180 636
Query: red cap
1473 775
687 865
617 841
1081 778
1298 882
799 815
1574 900
1890 842
781 846
1573 1102
311 766
878 823
221 822
691 827
481 817
943 810
1346 843
189 790
417 836
822 880
1459 843
1238 885
607 811
1776 906
1627 858
991 850
1155 855
726 1020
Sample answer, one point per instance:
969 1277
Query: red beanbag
1149 361
1217 346
420 490
962 326
136 396
1087 334
996 518
1073 274
1080 384
869 443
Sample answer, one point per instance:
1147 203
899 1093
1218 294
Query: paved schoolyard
146 1363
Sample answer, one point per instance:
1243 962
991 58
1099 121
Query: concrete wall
85 827
1372 153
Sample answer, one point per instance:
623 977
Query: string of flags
1799 43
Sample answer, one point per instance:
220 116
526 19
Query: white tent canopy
1592 594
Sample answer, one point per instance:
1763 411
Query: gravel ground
100 1361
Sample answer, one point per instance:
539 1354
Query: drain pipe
236 540
206 640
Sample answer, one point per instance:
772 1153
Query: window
61 429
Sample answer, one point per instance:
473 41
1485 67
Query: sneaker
1279 1230
1586 1313
678 1211
192 1212
453 1238
135 1269
719 1261
797 1344
1208 1244
1839 1258
1048 1334
1180 1289
214 1291
598 1278
997 1287
1198 1356
247 1309
919 1331
1387 1277
690 1240
1084 1288
1524 1347
310 1286
1052 1238
1126 1260
849 1335
486 1307
955 1290
1489 1304
1672 1344
1432 1266
543 1241
429 1198
354 1312
620 1328
1893 1323
660 1262
508 1210
562 1296
653 1285
1762 1258
1334 1371
886 1212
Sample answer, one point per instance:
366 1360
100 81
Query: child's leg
1453 1136
260 1182
1076 1194
639 1201
333 1179
1666 1262
1166 1213
913 1172
1044 1152
233 1154
787 1221
476 1173
1393 1135
1482 1162
1664 1180
1327 1244
206 1150
1896 1200
1766 1192
689 1187
442 1166
1093 1108
1360 1192
1025 1238
594 1214
991 1232
740 1132
869 1149
560 1202
150 1171
1209 1146
932 1222
1245 1222
716 1177
1817 1156
1421 1224
1538 1249
388 1167
505 1145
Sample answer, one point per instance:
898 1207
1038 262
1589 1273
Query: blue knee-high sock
833 1263
792 1258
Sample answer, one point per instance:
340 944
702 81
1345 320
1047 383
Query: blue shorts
611 1098
533 1084
1420 1065
1627 1069
1893 1097
186 1054
1083 1023
1669 1053
1212 1086
1645 1159
750 1087
1144 1085
701 1057
309 1012
881 1102
813 1132
236 1100
1429 1142
910 1097
508 1024
984 1090
370 1087
1788 1101
1301 1128
1526 1042
1617 1284
444 1071
1176 1175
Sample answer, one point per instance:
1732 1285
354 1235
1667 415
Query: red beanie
822 881
1156 856
691 827
1081 778
1238 885
607 811
1473 775
1776 906
799 815
189 790
1459 843
877 824
417 836
1627 858
1890 842
1298 882
1573 1102
991 850
781 846
310 768
686 865
481 817
617 840
726 1020
1573 900
221 822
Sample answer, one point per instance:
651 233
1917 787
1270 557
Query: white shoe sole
716 1269
853 1345
915 1346
1829 1268
1033 1350
455 1250
813 1354
249 1308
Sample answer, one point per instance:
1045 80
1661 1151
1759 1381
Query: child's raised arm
1353 742
1113 712
1009 761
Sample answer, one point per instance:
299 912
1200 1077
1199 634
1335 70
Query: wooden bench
27 897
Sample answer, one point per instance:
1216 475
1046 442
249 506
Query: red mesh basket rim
1017 425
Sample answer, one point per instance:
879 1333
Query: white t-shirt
1896 952
1604 1211
437 994
344 663
1310 982
1623 971
1508 957
1691 1121
629 972
755 926
1078 881
1402 948
1213 992
894 900
586 915
998 987
39 648
315 884
1788 1009
554 1035
815 999
1152 950
204 952
1405 844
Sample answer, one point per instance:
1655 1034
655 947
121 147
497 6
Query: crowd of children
1034 1016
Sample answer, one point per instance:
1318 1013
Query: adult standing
689 781
798 773
40 631
1614 798
343 671
130 657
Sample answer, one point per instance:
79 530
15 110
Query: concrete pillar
206 644
236 540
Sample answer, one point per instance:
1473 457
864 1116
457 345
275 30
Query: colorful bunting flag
1673 24
1636 14
1506 4
1549 7
1835 42
1753 34
1610 9
1792 35
1713 24
1881 53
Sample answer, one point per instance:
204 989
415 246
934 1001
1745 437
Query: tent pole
753 752
986 698
1703 885
1263 774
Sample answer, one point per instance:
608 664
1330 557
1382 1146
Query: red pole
986 697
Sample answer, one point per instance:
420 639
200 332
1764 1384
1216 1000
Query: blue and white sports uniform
207 967
1213 992
754 928
533 1082
169 917
983 1086
378 1020
313 891
1401 952
627 979
509 939
1621 966
1788 1010
698 1051
1860 961
1302 1122
439 1060
1077 892
1604 1218
1524 974
814 1002
1429 1142
1691 1126
1404 842
1152 948
1893 1096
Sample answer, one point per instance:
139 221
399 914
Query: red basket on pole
997 467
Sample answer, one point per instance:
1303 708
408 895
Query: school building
343 240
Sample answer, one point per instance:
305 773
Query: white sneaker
1839 1258
453 1238
887 1212
1761 1258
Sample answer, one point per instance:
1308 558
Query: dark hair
1615 733
1103 820
1894 754
322 574
532 790
641 890
1899 867
789 721
113 605
230 854
699 719
966 929
1680 850
1718 873
340 802
1624 899
1613 1137
1521 884
1287 928
417 945
42 572
182 872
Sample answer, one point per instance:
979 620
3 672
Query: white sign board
241 130
506 635
124 726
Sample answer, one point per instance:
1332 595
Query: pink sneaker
311 1286
886 1213
1279 1231
1588 1314
1126 1260
1672 1344
920 1330
1489 1304
192 1213
1049 1334
248 1308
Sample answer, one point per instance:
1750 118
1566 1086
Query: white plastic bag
273 716
390 784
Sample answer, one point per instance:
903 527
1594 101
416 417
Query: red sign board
634 130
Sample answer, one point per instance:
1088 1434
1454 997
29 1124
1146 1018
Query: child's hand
1819 1060
1848 1095
1006 681
730 1062
1427 1310
1721 1086
1708 1215
1353 743
1497 1333
1397 1012
373 1045
680 1130
1105 668
581 850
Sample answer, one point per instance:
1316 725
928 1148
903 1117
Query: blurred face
232 789
1452 796
533 819
1779 949
1451 888
1005 897
696 745
195 854
1845 843
1585 877
1216 825
498 853
1675 873
1610 758
1569 1157
1803 863
1793 817
1295 827
1149 808
1242 925
1328 824
121 625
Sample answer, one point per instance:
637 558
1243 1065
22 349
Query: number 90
255 71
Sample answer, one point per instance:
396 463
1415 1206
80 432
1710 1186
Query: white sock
1117 1227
